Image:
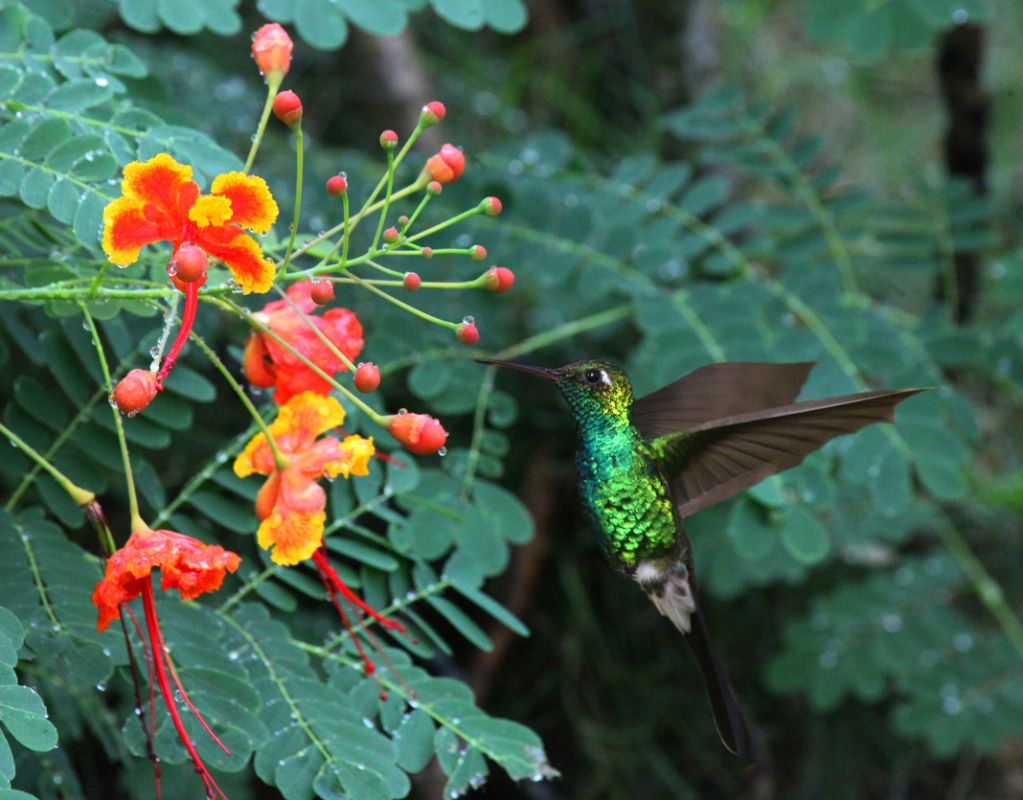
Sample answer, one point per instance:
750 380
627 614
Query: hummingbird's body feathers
645 465
716 391
723 457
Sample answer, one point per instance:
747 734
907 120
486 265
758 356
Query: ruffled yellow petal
244 464
253 205
158 180
307 415
294 536
126 230
209 210
241 254
356 453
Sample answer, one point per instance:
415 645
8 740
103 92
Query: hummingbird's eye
595 376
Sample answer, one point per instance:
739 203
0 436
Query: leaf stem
300 158
272 85
82 497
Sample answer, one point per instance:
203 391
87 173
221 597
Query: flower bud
467 333
447 165
288 108
367 377
135 391
434 187
391 235
479 252
412 281
189 264
499 279
419 433
491 206
322 292
426 252
403 220
388 140
432 113
271 47
337 185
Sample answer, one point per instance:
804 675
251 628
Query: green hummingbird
645 465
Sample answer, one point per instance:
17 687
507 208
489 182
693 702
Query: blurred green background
835 180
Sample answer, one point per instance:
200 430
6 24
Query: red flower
192 568
271 48
268 363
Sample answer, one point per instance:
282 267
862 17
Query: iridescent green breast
624 496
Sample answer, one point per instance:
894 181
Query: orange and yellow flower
291 504
186 564
161 203
268 363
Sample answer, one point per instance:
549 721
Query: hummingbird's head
591 387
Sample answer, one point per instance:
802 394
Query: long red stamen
370 667
320 559
187 320
393 670
159 657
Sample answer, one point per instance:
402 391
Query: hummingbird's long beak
543 372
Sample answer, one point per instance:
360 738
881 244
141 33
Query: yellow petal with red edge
253 205
241 254
293 535
256 457
306 416
209 210
356 453
126 230
158 180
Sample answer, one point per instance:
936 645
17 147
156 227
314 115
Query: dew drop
442 452
402 412
469 320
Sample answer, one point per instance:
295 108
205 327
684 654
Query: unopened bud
391 235
499 279
434 187
388 140
337 185
367 377
432 113
447 165
479 252
467 333
491 206
419 433
189 264
412 281
271 47
288 108
426 252
135 391
322 292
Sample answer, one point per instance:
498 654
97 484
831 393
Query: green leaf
804 536
23 714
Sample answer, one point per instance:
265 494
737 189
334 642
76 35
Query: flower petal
126 230
242 255
355 455
306 416
211 211
161 182
252 204
293 535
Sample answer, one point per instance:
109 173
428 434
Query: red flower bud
322 292
434 187
426 252
499 279
467 333
403 220
491 206
135 391
419 433
412 281
479 252
189 264
337 185
271 47
367 377
391 235
447 165
257 364
288 108
388 140
432 113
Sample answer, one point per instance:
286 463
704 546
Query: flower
186 564
192 568
447 165
268 363
291 504
271 48
420 433
161 203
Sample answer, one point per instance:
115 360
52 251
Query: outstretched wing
717 459
716 391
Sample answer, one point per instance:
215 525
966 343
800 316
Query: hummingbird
646 464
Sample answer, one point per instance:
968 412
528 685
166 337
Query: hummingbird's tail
728 715
668 584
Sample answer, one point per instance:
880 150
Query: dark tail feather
728 716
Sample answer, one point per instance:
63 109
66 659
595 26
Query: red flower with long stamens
192 568
268 363
291 503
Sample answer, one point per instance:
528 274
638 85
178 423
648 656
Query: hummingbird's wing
716 391
717 459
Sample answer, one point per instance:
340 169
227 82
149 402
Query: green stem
387 200
251 319
401 304
415 214
81 496
300 158
315 329
272 85
280 461
345 220
133 501
472 212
